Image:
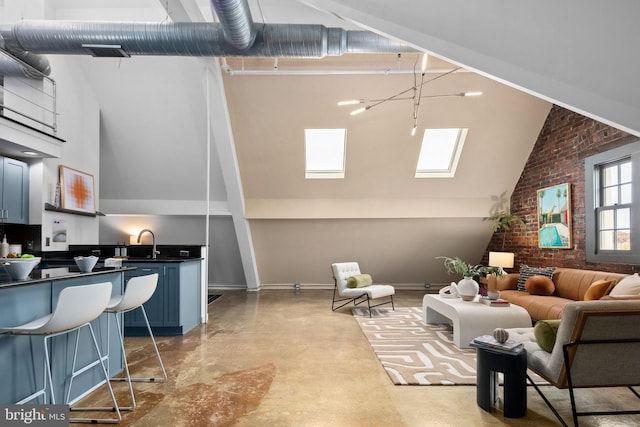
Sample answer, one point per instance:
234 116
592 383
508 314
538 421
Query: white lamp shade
501 259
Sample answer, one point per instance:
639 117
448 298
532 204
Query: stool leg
46 376
125 364
107 382
155 347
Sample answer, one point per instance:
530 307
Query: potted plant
503 221
467 288
457 265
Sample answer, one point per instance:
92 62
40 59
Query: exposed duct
236 35
192 39
22 63
236 21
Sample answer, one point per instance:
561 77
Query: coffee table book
495 302
489 342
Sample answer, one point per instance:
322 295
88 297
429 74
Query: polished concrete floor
283 358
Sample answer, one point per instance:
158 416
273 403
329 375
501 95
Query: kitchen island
25 300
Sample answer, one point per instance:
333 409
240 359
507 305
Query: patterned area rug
414 353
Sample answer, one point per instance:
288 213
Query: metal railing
30 101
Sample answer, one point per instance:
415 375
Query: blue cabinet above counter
14 191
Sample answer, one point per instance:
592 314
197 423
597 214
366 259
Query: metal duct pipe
192 39
22 63
236 21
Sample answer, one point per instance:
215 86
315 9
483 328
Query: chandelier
413 93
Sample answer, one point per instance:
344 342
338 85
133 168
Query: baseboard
433 287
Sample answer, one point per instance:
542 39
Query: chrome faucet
154 252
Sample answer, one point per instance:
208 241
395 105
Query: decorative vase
468 289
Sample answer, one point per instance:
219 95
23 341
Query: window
325 153
612 195
440 152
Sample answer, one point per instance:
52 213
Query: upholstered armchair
343 294
596 345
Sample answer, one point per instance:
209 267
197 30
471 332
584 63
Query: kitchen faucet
154 252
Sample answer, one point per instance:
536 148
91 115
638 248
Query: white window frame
593 166
450 170
312 137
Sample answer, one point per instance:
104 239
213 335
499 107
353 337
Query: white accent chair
343 295
77 306
597 345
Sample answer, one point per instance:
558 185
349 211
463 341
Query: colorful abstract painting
77 190
554 217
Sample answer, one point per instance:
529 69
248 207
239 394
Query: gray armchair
597 345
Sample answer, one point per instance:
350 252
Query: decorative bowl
19 268
86 263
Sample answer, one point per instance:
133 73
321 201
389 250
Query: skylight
325 153
440 152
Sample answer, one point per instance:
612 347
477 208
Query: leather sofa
570 285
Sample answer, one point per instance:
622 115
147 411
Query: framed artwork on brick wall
77 190
554 217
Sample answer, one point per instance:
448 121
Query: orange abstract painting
77 190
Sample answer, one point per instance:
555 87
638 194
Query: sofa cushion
545 332
539 307
526 272
628 286
539 285
359 281
598 289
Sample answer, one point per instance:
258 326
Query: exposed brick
566 139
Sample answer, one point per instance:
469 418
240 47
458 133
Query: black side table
514 368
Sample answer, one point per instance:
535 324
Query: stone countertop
40 275
59 260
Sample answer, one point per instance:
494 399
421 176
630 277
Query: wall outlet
296 286
427 285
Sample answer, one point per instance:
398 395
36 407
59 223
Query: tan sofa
570 285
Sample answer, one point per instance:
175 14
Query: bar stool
77 306
137 291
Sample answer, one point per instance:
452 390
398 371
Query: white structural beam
222 135
580 54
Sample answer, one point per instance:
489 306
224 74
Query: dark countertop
40 275
124 260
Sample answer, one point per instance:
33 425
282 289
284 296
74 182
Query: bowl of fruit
19 267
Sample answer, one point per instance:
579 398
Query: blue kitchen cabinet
174 307
14 196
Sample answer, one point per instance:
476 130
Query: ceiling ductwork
191 39
236 21
235 35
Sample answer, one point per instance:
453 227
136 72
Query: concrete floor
283 358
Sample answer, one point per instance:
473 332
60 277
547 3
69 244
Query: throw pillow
545 332
526 272
630 285
359 281
598 289
540 285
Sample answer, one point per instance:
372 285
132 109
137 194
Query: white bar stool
137 291
77 306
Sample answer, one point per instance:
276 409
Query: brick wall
565 140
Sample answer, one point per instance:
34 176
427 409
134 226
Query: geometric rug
414 353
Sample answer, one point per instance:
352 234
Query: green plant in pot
503 221
467 288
